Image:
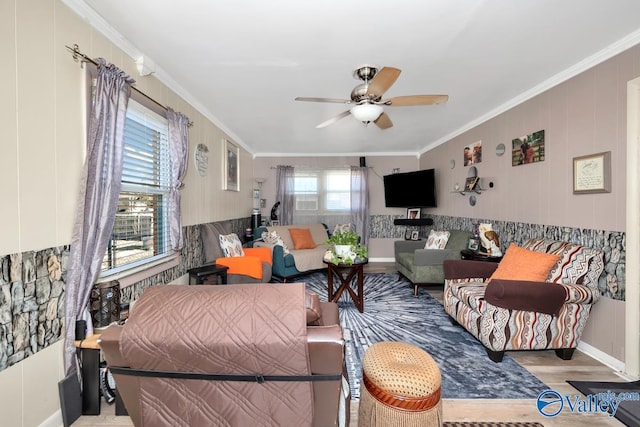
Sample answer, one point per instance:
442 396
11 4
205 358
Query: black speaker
256 220
363 162
81 329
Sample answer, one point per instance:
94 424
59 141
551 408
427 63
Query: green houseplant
345 248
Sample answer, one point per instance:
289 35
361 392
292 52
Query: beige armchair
248 354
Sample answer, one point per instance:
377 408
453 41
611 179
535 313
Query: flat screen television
410 189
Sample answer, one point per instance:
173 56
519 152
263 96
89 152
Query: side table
198 275
471 255
90 354
350 271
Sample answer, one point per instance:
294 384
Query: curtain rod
77 53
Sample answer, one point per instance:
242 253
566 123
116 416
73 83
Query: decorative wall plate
201 157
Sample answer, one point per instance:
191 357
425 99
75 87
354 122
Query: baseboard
54 420
602 357
382 260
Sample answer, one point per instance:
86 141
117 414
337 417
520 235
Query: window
322 192
140 231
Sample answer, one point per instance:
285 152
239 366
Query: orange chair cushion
264 254
522 264
247 265
302 238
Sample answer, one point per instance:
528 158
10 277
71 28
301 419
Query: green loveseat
424 266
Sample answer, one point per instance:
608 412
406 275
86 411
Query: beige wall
584 115
379 166
42 151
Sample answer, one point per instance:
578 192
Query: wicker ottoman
400 387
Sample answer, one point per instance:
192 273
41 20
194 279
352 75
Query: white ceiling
242 62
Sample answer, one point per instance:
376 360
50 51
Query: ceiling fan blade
412 100
334 119
383 121
382 81
338 101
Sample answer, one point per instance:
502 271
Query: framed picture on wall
231 166
592 173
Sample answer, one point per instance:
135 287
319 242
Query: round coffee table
346 273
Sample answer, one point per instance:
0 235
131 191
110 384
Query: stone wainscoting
612 243
32 293
31 302
32 283
192 256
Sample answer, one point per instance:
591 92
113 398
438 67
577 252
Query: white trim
602 357
632 292
136 274
96 21
608 52
382 260
358 154
54 420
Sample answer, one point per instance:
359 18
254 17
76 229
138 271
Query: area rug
629 411
392 313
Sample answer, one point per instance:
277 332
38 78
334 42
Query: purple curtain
285 193
97 200
179 149
360 201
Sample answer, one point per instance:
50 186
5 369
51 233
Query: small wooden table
345 273
90 354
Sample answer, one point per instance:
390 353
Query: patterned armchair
526 315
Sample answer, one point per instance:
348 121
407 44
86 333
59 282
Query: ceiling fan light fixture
366 112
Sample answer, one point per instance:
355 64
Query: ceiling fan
368 101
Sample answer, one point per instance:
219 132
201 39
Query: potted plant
345 248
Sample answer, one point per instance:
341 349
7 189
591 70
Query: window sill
141 272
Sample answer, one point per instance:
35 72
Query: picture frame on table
415 235
231 166
474 244
413 213
592 173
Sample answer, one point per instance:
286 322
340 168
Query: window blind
140 229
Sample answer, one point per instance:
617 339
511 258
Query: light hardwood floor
543 364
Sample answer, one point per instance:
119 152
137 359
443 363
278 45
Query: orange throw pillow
522 264
302 238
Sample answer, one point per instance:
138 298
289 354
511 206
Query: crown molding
599 57
101 25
